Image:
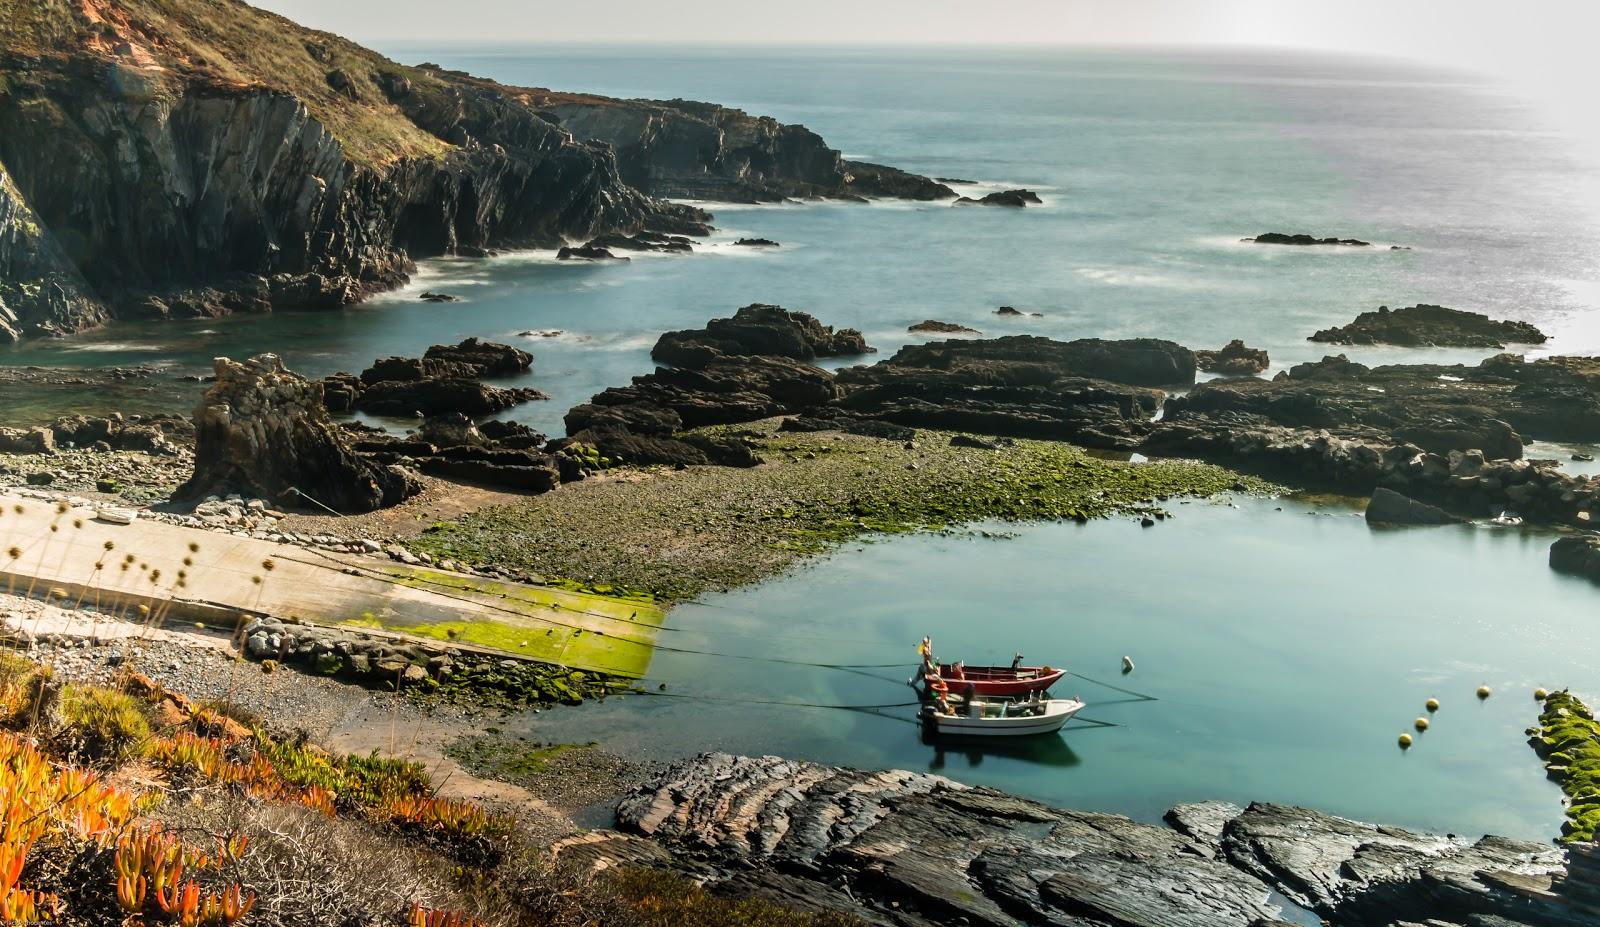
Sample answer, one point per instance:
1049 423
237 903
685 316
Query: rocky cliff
688 149
196 157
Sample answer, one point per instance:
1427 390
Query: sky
1542 50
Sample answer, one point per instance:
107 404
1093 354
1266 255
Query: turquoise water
1286 650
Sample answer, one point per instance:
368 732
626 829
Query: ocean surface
1285 649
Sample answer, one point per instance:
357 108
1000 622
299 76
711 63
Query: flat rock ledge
906 848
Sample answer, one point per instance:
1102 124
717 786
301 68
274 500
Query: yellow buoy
1433 704
1483 692
1540 695
1422 724
1405 741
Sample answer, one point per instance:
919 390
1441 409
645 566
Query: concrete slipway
65 555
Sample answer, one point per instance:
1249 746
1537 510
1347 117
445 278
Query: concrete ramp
192 574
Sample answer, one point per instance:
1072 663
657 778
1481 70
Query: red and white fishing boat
995 681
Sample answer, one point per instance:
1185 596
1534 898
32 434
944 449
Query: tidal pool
1284 648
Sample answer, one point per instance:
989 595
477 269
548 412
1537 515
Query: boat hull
1001 680
1056 714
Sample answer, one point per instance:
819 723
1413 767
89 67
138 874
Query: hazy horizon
1542 54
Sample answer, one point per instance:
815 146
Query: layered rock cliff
196 157
689 149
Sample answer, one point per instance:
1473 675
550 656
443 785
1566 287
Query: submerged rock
1431 326
263 431
1391 508
757 243
587 253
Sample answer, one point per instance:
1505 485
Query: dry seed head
144 609
188 561
61 508
268 565
77 523
18 509
256 580
55 527
99 565
194 547
14 552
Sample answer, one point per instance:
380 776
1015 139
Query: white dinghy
999 718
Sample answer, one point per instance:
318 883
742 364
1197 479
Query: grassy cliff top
231 45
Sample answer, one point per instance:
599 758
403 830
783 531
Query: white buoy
1127 664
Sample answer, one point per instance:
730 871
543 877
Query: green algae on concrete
550 623
1568 740
678 533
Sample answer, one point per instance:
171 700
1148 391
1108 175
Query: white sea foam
117 347
1126 276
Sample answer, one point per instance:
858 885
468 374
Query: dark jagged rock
587 253
263 431
728 391
1014 199
1234 359
619 443
444 380
913 849
1021 386
757 243
642 241
1578 555
527 471
1018 359
153 434
691 150
1391 508
41 291
1431 326
1492 407
430 297
439 395
758 329
1353 872
487 358
1279 238
1013 311
942 328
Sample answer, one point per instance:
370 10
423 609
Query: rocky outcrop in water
1282 238
1090 391
759 330
692 150
1430 326
1013 199
1577 554
263 431
444 380
913 849
934 326
1234 359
